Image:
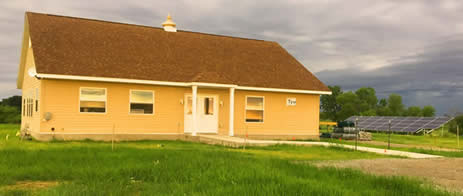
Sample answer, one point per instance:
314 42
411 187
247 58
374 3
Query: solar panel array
399 124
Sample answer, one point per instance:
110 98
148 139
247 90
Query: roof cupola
169 25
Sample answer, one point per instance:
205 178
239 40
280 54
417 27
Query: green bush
457 121
9 114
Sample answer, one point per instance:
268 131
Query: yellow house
85 78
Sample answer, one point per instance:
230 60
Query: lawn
438 138
185 168
432 140
458 154
427 144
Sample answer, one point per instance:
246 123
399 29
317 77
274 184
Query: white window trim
105 97
246 108
130 102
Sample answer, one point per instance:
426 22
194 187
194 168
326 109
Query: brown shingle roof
84 47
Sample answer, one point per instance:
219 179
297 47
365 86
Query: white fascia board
213 85
116 80
283 90
182 84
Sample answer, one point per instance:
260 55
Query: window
28 107
189 104
141 102
254 109
209 106
24 107
93 100
31 106
36 100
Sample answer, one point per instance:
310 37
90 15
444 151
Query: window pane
254 116
92 94
93 106
189 102
24 107
141 97
209 106
255 103
141 108
30 107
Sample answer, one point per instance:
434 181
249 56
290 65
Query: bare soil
32 185
444 172
381 143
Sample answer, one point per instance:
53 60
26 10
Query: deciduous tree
367 98
395 104
328 104
349 105
413 111
428 111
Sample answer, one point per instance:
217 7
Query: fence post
112 139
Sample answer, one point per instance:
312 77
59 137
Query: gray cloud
432 77
412 47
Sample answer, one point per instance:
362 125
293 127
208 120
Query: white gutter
182 84
283 90
105 79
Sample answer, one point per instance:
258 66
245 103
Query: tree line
363 102
10 110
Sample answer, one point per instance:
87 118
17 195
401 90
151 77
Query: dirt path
446 172
381 143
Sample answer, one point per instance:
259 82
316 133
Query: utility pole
389 136
356 133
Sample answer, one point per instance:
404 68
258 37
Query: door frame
187 129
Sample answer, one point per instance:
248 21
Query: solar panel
398 124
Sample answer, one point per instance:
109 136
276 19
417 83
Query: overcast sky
410 47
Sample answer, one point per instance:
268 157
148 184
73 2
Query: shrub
9 114
457 121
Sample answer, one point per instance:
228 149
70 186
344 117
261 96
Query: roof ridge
146 26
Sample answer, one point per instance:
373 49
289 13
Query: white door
206 111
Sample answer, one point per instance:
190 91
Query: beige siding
279 119
31 87
61 98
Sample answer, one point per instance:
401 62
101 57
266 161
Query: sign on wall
291 101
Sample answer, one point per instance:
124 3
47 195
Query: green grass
437 139
185 168
408 149
431 140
